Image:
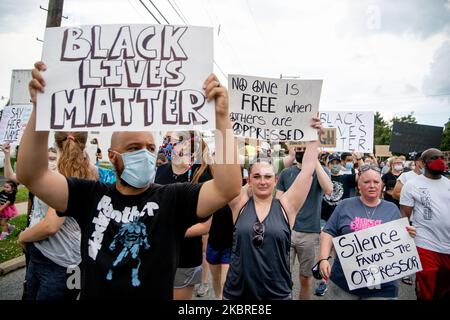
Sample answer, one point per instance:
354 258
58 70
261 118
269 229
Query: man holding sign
131 231
352 215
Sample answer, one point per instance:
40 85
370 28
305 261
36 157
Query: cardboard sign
327 138
13 123
273 109
382 151
354 130
377 254
410 137
126 77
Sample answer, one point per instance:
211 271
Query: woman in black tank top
259 267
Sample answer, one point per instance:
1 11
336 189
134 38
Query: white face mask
53 165
398 167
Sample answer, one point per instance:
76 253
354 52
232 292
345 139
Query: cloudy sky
379 55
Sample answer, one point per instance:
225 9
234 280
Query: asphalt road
11 288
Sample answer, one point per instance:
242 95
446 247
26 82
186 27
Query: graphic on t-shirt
132 236
425 198
336 195
363 223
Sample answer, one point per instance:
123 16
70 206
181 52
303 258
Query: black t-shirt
389 180
5 197
191 254
221 231
130 244
342 185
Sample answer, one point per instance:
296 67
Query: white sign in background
126 77
377 254
273 109
14 120
354 130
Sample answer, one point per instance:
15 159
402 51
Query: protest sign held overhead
354 130
273 109
411 137
327 138
13 123
378 254
126 77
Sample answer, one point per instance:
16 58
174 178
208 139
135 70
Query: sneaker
407 280
202 290
321 289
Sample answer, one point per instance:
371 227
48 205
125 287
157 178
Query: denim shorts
45 280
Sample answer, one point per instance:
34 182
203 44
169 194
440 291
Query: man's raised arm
32 163
227 181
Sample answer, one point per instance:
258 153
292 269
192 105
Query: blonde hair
72 161
204 166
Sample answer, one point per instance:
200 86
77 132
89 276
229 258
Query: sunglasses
368 167
258 238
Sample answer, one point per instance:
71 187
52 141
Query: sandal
407 280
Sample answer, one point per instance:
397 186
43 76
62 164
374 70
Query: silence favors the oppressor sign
378 254
126 77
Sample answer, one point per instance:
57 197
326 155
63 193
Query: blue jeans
45 280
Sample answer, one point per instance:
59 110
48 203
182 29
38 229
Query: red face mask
437 165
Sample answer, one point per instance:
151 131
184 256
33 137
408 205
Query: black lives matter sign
126 77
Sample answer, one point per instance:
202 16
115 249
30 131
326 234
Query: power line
159 11
179 9
176 11
149 11
184 21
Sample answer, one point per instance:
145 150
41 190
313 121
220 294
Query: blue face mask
349 165
140 168
422 170
335 169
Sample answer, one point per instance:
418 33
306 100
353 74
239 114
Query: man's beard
121 181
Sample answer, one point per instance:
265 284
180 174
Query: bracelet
318 262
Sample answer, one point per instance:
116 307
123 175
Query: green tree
382 130
445 142
410 118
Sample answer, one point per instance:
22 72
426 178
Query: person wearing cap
425 199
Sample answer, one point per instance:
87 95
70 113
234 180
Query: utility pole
54 15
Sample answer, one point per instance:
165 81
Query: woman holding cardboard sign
352 215
259 267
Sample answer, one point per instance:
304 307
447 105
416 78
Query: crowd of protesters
138 230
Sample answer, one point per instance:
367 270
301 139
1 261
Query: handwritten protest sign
13 123
273 109
377 254
327 138
354 130
126 77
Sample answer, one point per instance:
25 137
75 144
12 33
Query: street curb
12 265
